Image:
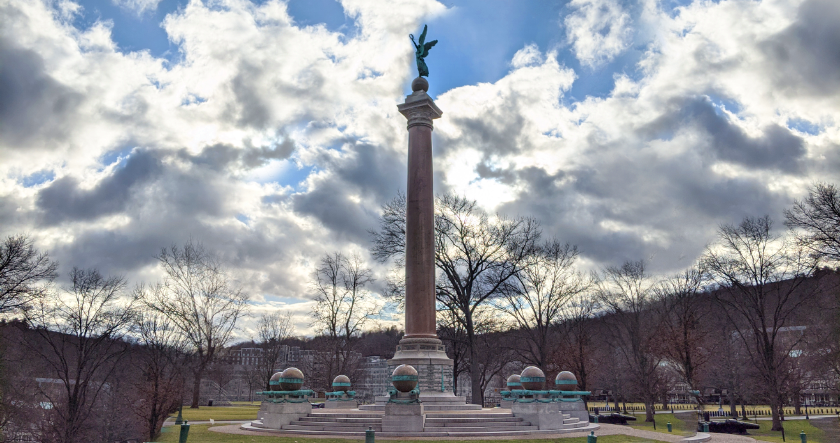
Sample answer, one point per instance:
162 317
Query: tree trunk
197 387
475 376
733 408
650 409
775 414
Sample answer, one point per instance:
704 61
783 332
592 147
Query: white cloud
598 30
139 7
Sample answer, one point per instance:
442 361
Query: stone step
345 415
468 414
332 423
342 419
445 421
481 429
428 407
330 427
476 425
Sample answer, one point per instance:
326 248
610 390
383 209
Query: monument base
403 418
575 409
275 415
428 357
341 404
543 415
434 373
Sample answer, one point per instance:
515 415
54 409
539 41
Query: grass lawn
221 413
679 426
792 430
200 434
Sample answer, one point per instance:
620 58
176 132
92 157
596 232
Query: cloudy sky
268 130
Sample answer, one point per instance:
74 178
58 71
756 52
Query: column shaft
419 241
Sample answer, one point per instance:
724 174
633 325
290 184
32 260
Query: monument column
420 310
421 347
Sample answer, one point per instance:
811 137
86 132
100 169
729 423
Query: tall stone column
421 347
420 311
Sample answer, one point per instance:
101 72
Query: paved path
830 426
606 429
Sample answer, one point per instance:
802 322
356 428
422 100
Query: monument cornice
419 109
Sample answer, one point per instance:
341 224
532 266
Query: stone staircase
438 424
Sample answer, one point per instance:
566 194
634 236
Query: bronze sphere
404 378
341 383
532 379
274 381
513 382
566 381
291 379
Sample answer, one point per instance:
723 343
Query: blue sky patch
37 178
115 155
803 126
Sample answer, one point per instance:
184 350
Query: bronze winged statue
422 50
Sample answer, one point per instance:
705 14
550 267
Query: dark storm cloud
32 104
805 57
492 135
220 157
370 172
776 148
251 108
63 200
253 111
679 201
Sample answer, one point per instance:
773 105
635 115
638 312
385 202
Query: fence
752 412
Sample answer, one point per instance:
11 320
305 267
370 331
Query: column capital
419 109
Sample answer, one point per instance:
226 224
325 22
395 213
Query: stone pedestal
341 404
543 415
506 404
575 409
275 415
403 417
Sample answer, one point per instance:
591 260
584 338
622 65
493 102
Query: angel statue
422 51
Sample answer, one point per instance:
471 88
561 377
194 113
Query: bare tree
161 358
628 294
475 253
22 270
83 331
200 299
273 329
577 334
536 297
817 219
683 312
342 307
453 334
763 278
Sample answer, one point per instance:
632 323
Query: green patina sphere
404 378
341 383
532 379
274 381
291 379
566 381
513 382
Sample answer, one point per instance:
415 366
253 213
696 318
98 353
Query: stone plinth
543 415
403 418
275 415
341 404
575 409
